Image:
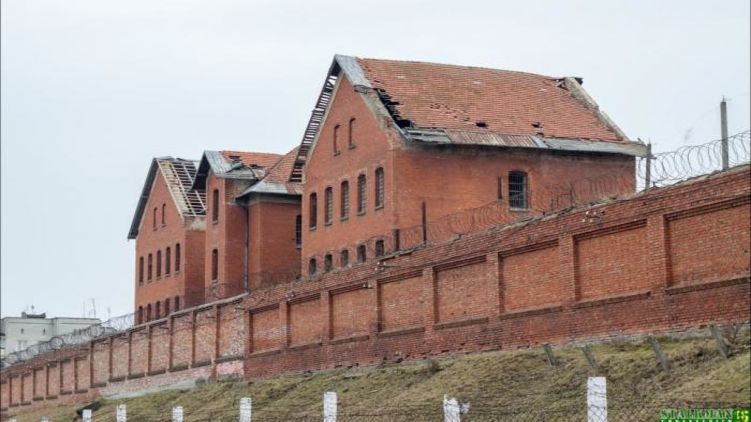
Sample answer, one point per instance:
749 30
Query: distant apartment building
19 333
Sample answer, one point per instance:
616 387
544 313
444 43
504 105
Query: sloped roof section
234 165
276 180
439 96
178 174
460 105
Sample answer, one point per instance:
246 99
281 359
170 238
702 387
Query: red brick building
168 227
214 228
392 145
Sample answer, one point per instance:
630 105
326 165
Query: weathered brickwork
634 269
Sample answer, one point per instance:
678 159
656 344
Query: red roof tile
260 159
458 97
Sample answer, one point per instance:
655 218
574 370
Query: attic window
481 124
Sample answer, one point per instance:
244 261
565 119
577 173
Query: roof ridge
459 66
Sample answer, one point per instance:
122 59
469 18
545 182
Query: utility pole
724 129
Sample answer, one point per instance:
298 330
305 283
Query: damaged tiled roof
260 159
276 179
439 96
178 175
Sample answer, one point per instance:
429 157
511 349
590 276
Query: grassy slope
506 385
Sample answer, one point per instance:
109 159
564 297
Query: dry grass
505 385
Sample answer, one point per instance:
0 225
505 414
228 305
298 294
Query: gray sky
92 89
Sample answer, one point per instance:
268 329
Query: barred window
361 194
380 249
336 140
168 261
344 204
328 262
298 231
140 270
328 214
215 205
344 257
149 272
214 264
312 266
379 189
158 264
361 253
351 134
313 210
518 190
177 257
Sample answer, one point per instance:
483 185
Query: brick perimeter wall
648 264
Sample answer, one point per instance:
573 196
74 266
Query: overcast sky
93 89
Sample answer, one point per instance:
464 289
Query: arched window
362 253
164 219
313 210
328 213
298 231
215 205
336 140
328 262
149 270
158 264
140 314
166 307
154 222
312 266
351 134
167 261
518 190
214 264
379 189
177 303
344 257
344 201
140 270
177 257
158 309
380 249
361 194
148 312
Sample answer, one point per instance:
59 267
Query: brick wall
641 265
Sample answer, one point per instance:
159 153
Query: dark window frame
344 257
215 206
298 231
328 263
164 219
150 268
362 253
362 194
380 188
177 258
351 134
167 261
518 187
214 264
328 206
380 248
141 270
312 266
313 211
336 140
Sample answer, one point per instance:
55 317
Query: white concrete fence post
177 414
329 406
597 400
121 413
43 419
453 410
246 409
86 415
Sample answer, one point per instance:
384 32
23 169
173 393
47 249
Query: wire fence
542 199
